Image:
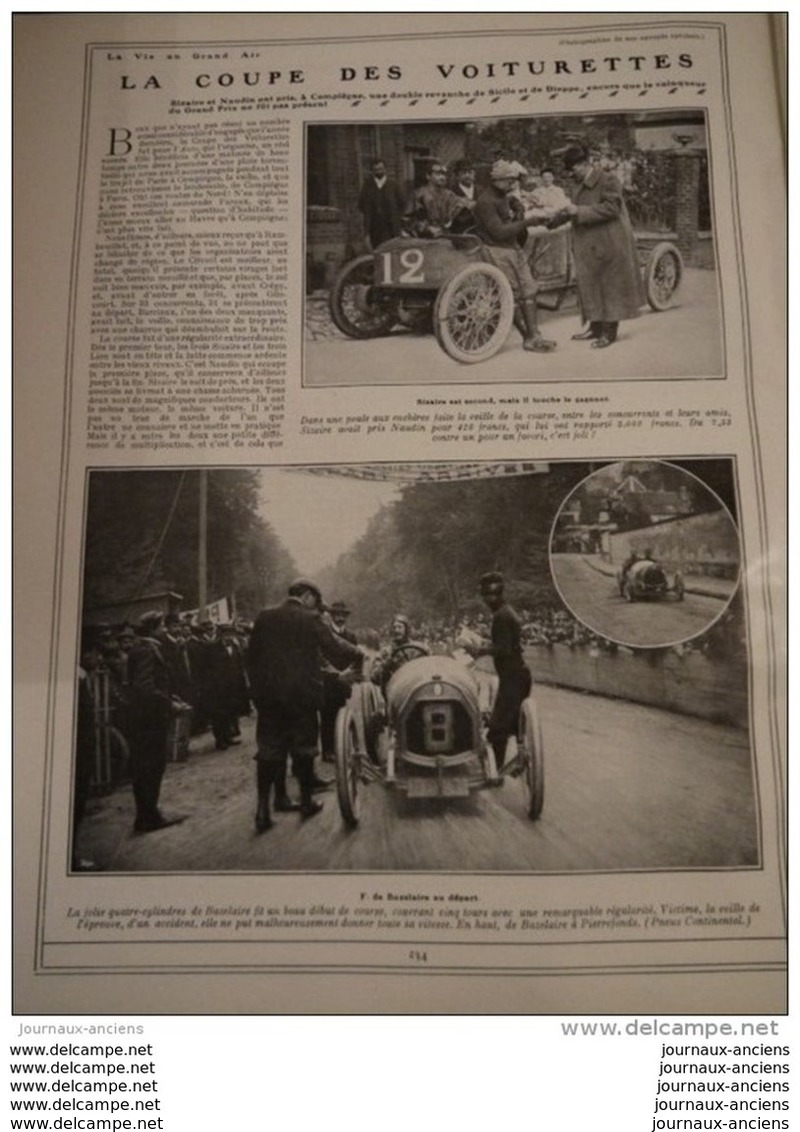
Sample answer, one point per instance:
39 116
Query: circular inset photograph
645 553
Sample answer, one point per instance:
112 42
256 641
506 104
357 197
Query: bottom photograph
512 667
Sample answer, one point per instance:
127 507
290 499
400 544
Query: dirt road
627 787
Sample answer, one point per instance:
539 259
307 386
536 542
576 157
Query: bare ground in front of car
682 342
626 787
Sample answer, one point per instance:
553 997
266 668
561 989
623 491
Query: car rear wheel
531 751
358 308
662 275
473 313
347 767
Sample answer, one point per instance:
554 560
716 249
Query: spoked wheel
473 313
662 275
359 308
531 751
366 703
347 767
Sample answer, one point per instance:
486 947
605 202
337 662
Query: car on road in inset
427 739
448 284
647 580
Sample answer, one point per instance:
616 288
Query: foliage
652 200
537 142
423 555
142 536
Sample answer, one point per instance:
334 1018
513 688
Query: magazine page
400 417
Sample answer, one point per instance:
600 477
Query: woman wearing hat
606 262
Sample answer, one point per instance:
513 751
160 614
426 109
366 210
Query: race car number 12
410 260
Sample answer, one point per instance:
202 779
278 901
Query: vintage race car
447 282
648 580
427 738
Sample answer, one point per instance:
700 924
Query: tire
531 748
663 273
357 307
368 702
473 313
347 767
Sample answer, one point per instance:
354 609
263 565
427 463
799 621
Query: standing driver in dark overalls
505 648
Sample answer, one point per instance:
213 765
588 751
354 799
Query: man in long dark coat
609 279
284 663
151 703
228 696
381 203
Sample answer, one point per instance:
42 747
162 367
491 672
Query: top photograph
528 249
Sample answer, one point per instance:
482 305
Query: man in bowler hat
606 261
284 661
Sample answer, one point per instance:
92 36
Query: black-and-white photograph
548 248
368 667
646 554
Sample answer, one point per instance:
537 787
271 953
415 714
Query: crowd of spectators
547 626
207 680
205 671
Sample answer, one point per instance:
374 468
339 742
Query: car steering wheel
409 652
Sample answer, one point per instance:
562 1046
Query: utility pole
202 548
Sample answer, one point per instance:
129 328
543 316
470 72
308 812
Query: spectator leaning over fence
501 222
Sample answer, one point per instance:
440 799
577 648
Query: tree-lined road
627 787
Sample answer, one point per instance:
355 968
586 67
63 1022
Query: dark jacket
285 656
227 686
149 689
506 641
499 219
382 209
606 262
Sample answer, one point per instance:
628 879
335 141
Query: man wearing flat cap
606 261
505 648
501 222
284 662
151 704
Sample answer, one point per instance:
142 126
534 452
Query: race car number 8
411 261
